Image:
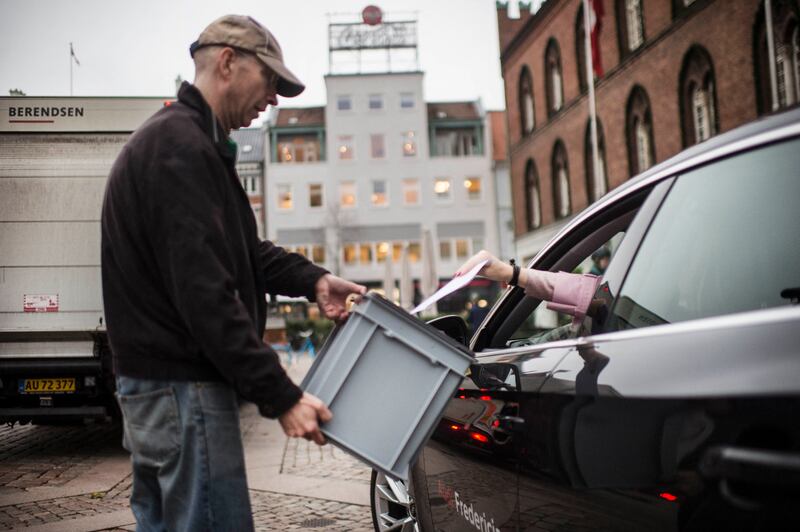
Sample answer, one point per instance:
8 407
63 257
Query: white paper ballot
456 283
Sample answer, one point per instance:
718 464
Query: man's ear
225 62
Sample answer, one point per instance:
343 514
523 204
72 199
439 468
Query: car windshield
724 241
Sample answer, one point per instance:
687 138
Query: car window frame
512 304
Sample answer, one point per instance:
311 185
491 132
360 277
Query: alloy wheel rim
394 506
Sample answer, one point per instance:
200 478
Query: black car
676 406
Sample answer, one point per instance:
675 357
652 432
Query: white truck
55 156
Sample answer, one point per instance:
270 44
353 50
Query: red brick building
675 73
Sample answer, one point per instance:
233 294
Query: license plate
47 386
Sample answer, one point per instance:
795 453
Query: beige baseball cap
247 34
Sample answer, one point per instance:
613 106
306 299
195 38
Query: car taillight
479 437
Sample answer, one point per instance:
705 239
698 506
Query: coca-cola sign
366 36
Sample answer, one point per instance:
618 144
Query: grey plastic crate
387 378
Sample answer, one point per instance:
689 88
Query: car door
471 462
681 409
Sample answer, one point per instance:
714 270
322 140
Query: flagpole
70 68
587 31
773 76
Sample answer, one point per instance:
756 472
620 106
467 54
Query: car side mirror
493 376
453 326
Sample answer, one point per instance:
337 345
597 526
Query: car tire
392 504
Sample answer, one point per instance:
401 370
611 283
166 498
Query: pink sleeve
570 293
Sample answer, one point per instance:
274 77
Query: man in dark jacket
184 283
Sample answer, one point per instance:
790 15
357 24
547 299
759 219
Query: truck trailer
55 157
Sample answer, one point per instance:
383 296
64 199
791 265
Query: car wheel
393 506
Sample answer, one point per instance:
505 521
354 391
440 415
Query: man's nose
272 99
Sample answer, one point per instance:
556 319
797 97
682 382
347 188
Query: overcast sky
138 47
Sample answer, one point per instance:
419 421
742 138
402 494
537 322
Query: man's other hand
302 420
332 295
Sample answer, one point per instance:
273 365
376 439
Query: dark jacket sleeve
189 237
288 274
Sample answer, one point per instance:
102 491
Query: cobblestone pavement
35 456
18 516
43 469
305 459
277 511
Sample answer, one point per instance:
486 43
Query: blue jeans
187 456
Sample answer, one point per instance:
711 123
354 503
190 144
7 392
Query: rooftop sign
362 36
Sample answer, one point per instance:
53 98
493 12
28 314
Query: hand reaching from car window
495 269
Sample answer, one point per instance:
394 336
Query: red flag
595 25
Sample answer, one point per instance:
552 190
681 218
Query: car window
725 240
544 325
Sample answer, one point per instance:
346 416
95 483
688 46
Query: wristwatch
515 275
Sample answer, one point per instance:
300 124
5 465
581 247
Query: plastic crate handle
393 336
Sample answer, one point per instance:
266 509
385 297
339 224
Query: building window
787 67
697 99
345 147
382 251
344 102
347 194
315 195
413 252
787 57
596 181
318 254
298 149
639 132
630 21
411 191
456 142
406 100
365 253
526 112
250 184
462 249
301 250
554 87
441 187
397 251
375 102
409 144
533 204
643 158
380 195
284 197
349 252
445 250
377 146
560 168
473 186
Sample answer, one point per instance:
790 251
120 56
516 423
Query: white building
250 167
354 182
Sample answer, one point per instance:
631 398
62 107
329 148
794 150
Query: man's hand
302 420
332 295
